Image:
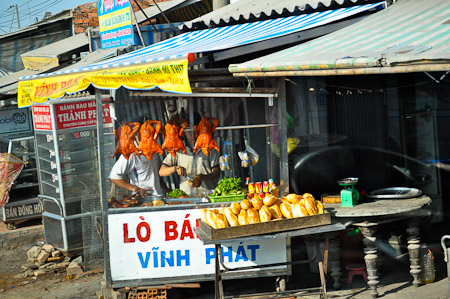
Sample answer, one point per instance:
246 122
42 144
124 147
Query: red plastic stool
356 269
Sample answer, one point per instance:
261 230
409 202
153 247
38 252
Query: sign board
116 23
164 244
25 210
69 115
15 121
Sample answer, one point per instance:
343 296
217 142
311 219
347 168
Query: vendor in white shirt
203 169
142 173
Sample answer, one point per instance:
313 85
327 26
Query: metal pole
29 14
145 15
167 20
18 19
137 27
350 71
284 165
102 186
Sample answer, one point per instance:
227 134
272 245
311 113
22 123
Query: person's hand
180 170
197 181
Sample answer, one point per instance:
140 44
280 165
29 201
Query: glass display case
23 201
66 148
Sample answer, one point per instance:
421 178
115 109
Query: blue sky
29 10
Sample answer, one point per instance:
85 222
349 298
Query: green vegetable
228 186
175 193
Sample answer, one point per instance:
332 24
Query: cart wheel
10 225
280 283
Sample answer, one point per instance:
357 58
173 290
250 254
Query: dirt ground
395 281
55 284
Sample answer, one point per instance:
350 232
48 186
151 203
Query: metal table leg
323 281
218 280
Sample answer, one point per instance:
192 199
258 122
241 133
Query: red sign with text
42 118
70 115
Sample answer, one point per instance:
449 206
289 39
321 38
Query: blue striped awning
215 39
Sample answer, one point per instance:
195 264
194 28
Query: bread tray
273 226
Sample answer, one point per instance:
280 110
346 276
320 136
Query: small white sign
164 244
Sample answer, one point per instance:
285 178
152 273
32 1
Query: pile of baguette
265 209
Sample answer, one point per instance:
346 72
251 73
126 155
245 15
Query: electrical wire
33 13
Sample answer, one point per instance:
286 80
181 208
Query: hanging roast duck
148 145
126 136
173 131
205 135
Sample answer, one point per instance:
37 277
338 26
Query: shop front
368 104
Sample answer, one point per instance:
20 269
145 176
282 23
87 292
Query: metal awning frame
351 71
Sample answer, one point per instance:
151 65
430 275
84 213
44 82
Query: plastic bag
224 162
249 157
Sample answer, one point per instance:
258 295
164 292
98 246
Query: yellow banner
40 63
171 76
116 19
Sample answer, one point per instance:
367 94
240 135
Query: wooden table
369 216
314 231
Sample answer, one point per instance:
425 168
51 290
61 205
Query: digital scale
349 195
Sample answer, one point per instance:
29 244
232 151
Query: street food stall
161 243
160 240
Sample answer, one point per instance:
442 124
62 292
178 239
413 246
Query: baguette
231 217
253 216
269 200
264 214
235 207
221 221
203 214
242 217
319 206
275 211
286 210
310 206
211 219
293 198
256 202
245 204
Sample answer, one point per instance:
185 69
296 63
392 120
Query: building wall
85 15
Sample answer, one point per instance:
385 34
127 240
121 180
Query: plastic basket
225 198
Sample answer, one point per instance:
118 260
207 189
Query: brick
56 253
42 257
39 272
74 270
92 15
78 21
48 247
33 252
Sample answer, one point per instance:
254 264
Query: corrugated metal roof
165 6
243 11
222 38
409 32
60 47
10 83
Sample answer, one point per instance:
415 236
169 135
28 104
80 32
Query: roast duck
133 201
126 135
148 145
173 131
205 135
